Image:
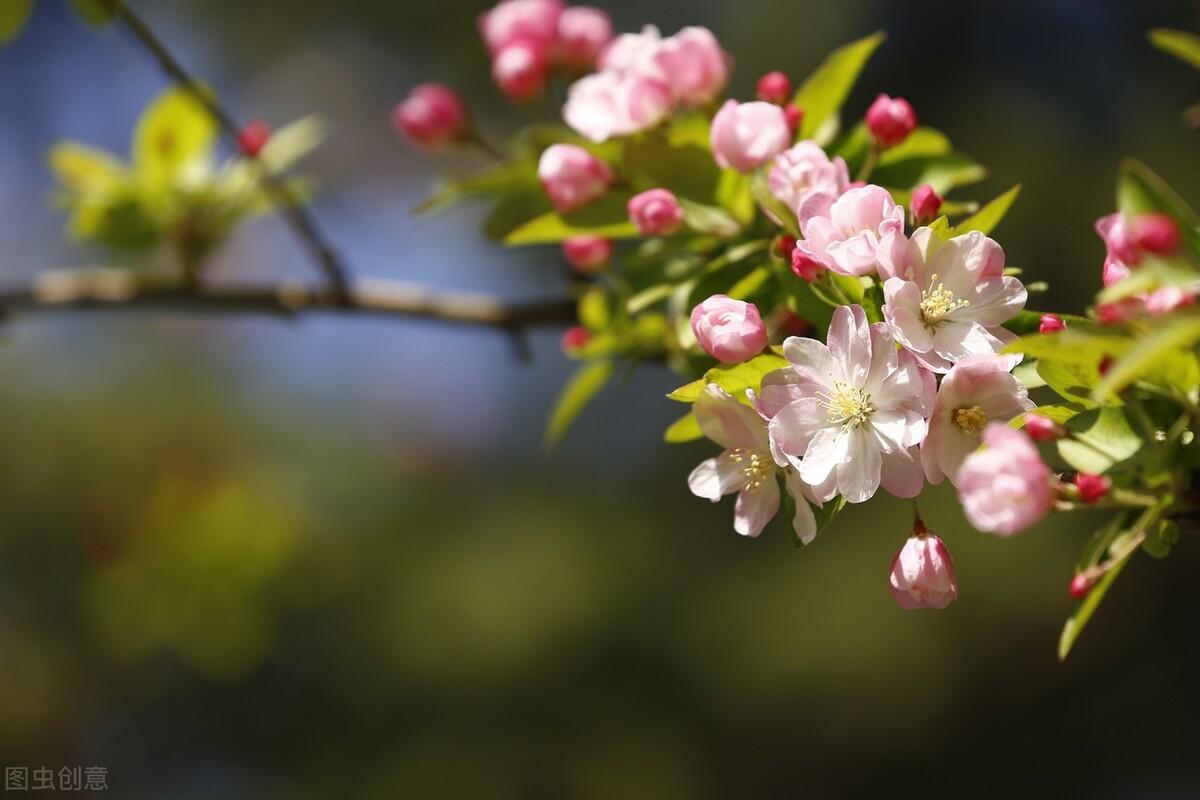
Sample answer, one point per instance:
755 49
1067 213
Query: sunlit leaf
13 16
684 429
607 216
1100 439
174 133
988 217
1181 44
1165 348
581 387
826 89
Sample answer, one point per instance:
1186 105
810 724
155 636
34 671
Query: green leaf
827 513
594 313
1163 350
1069 361
1140 190
492 179
826 89
689 392
708 219
13 16
684 429
944 172
736 195
922 142
737 378
174 133
1086 607
678 158
1100 439
583 385
605 217
751 283
1026 372
1181 44
291 143
988 217
648 297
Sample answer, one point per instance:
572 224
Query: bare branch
100 288
303 224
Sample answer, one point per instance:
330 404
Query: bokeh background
327 558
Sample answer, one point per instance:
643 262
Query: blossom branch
99 288
302 223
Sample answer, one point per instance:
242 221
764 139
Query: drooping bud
805 266
253 138
1081 585
925 203
656 212
1041 429
1092 488
891 120
923 573
574 338
1156 233
774 87
520 70
1051 323
431 115
729 330
588 254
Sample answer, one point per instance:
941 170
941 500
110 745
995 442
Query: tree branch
302 223
102 288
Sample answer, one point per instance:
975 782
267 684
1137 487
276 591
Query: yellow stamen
757 467
971 419
937 303
848 406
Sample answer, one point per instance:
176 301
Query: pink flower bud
1092 488
774 87
253 138
1080 586
1163 301
583 32
794 115
695 64
1051 323
1005 487
1041 429
925 203
1118 311
431 115
786 246
574 338
656 212
572 177
729 330
1105 365
520 70
588 254
1114 272
794 325
923 574
891 120
747 135
1118 239
1156 233
533 21
805 266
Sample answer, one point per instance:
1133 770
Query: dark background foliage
249 558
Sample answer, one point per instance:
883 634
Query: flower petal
728 422
753 510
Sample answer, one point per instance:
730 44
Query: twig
100 288
297 216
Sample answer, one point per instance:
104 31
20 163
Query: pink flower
977 390
891 120
432 114
656 212
694 63
848 414
574 338
1006 487
253 138
1092 488
572 177
1156 233
1118 239
845 235
747 135
729 330
804 171
520 70
583 32
794 115
631 52
609 104
925 203
1041 429
947 299
745 467
1114 272
1163 301
923 574
774 87
1050 323
805 266
588 254
532 21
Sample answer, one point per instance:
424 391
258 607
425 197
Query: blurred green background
258 559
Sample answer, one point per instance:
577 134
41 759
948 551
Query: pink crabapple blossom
923 573
1118 240
532 21
520 70
1166 299
583 32
745 467
947 299
588 254
431 115
747 135
977 390
848 414
695 64
729 330
572 177
890 120
1005 487
1051 323
1156 233
774 87
845 235
804 266
610 104
803 171
656 212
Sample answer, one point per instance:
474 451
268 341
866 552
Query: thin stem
476 138
294 213
868 166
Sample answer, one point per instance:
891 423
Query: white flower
848 416
745 467
946 299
